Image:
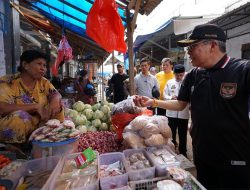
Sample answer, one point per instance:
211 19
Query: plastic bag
162 123
120 120
139 122
132 140
127 106
104 26
64 53
149 130
155 140
168 185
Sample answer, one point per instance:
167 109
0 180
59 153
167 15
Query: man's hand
143 101
174 97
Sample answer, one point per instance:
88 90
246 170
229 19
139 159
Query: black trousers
119 98
161 111
217 177
182 126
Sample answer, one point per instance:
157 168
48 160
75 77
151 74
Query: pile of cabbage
90 118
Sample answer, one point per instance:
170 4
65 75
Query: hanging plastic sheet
104 26
64 53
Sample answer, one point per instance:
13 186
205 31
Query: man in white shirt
178 120
144 81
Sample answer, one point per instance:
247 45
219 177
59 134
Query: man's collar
145 75
221 63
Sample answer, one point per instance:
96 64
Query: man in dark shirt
217 89
117 81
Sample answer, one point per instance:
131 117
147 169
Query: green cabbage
105 118
104 102
111 106
88 123
98 114
96 123
67 111
104 127
92 128
80 120
73 114
78 106
88 113
96 107
87 106
82 128
105 109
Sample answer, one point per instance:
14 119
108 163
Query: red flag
104 26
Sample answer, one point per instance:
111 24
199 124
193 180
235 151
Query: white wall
234 44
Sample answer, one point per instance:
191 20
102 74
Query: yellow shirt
162 79
13 91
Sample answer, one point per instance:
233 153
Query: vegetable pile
90 118
101 141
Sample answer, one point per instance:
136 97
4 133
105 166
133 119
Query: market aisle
189 145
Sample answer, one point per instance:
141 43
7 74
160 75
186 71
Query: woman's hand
143 101
43 112
54 107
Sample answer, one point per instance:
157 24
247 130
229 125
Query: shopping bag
105 27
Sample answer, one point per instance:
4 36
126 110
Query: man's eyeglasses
192 46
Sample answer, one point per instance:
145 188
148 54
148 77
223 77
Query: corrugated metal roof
72 14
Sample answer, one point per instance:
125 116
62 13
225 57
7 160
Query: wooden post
113 63
130 53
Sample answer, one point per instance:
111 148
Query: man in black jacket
117 82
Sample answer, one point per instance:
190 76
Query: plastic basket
48 163
147 173
150 184
113 182
44 149
147 184
196 184
93 186
161 169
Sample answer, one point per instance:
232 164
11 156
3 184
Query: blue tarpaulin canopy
69 14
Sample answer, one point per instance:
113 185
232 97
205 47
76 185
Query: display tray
150 184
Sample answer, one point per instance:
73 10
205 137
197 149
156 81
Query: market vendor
27 99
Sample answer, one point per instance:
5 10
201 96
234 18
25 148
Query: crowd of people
215 92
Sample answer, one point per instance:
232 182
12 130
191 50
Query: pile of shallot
101 141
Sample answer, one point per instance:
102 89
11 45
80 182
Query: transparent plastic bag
132 140
149 130
168 185
139 122
162 123
155 140
127 106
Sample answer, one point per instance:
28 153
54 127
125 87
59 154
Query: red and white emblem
228 90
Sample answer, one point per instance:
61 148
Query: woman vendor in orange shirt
27 99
